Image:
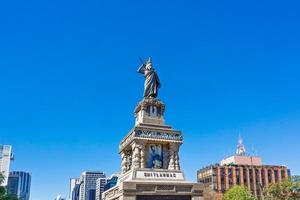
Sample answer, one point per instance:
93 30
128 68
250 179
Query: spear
141 60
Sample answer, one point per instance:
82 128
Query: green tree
3 192
238 193
284 190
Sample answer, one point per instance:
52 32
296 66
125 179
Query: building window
222 171
251 179
245 175
276 175
230 177
269 176
263 176
237 172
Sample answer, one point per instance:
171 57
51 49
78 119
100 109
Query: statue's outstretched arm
141 69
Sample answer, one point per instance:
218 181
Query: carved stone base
153 175
154 191
150 160
145 184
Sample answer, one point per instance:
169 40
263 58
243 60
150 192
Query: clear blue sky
68 81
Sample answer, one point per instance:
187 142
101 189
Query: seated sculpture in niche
155 157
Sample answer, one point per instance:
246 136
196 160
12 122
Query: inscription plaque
159 175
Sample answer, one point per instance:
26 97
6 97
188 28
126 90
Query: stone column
254 181
124 162
241 176
166 156
142 152
279 174
273 175
233 176
219 179
177 165
226 178
286 174
248 179
128 161
136 161
266 177
260 183
172 151
176 161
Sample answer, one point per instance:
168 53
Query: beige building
240 170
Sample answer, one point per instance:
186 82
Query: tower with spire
240 157
240 150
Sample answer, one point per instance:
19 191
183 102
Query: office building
101 182
5 158
88 183
242 170
104 184
74 189
111 182
19 184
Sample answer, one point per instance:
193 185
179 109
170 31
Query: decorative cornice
158 135
142 105
154 135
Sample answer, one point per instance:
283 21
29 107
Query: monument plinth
150 155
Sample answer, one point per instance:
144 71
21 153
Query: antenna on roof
240 150
253 151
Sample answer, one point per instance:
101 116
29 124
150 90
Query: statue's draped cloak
152 83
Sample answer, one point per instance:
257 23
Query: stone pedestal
158 184
150 160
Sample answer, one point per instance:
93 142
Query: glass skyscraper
5 158
88 183
19 184
74 189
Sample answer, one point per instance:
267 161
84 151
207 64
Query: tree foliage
238 193
3 192
284 190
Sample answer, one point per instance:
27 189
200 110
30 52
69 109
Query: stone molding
135 151
154 135
142 105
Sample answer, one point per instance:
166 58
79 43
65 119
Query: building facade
5 157
19 184
88 184
74 189
111 182
296 178
255 178
240 170
100 184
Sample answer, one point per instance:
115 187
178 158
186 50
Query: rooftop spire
240 150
